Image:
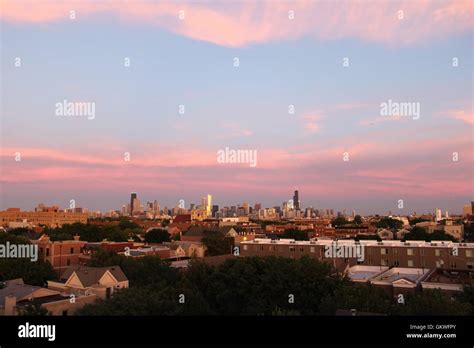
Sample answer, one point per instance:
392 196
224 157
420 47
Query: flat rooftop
360 273
395 274
387 243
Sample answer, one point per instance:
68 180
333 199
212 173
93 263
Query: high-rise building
296 200
467 209
133 197
245 205
438 214
215 209
209 205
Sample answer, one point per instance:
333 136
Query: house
192 249
176 228
401 233
84 280
176 250
385 234
60 254
399 280
182 218
16 296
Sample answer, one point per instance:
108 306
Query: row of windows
71 251
383 251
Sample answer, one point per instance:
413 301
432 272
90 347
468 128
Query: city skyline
310 93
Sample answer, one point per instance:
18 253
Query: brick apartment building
60 254
412 254
48 217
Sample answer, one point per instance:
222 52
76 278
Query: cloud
239 24
465 116
311 120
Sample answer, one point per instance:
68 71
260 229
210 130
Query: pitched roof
91 275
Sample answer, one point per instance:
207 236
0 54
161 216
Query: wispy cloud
462 115
246 23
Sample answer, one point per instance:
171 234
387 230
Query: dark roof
91 275
17 289
198 231
182 218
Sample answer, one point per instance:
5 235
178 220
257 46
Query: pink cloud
246 23
465 116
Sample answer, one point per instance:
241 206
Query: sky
306 96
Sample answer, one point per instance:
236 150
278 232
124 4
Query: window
301 249
384 262
245 247
423 263
395 251
47 251
422 252
384 251
68 262
311 249
261 247
396 263
469 253
470 265
370 262
271 248
453 264
72 250
410 252
292 248
437 252
411 263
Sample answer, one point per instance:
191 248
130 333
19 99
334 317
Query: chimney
10 304
77 237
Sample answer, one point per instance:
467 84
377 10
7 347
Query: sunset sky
400 56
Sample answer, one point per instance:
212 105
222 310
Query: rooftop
388 243
360 273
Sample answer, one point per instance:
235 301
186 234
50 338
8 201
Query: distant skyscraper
245 205
215 209
209 205
133 196
296 200
438 214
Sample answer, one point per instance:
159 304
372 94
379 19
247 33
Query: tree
32 273
33 310
339 221
417 233
126 223
157 235
295 234
358 220
433 302
216 243
387 222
